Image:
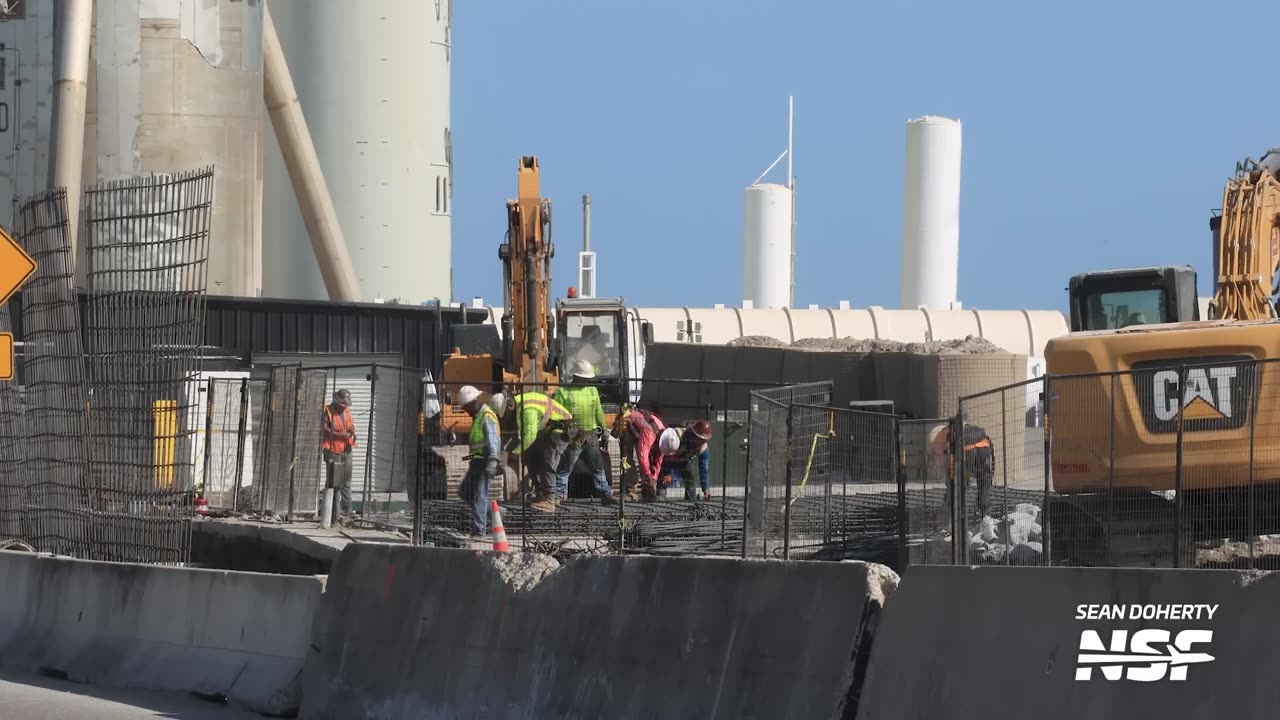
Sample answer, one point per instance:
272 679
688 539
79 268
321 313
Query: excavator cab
1114 299
594 330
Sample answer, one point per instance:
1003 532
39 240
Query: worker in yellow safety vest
545 430
337 442
483 449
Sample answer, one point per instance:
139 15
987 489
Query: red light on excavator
573 292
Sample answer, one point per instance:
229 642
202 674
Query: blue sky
1096 134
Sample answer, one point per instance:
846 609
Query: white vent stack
766 246
586 258
931 214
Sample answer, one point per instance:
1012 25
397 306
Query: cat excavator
1145 401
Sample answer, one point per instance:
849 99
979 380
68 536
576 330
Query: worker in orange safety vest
338 441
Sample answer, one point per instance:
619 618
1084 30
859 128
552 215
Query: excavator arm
1247 242
526 260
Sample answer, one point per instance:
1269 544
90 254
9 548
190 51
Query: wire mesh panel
1001 463
307 479
146 255
861 503
924 467
396 402
56 501
279 440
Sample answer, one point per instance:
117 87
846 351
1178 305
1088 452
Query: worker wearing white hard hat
582 400
484 448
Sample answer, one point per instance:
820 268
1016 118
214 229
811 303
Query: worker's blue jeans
475 491
590 455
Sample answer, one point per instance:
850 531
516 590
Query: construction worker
979 461
484 448
546 429
637 433
337 442
691 459
583 402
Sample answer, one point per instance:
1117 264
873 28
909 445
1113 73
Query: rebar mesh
146 252
12 452
55 502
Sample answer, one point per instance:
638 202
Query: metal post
1047 461
208 439
241 430
904 557
1004 466
959 531
1111 476
1253 429
724 464
786 511
419 470
1177 482
746 478
368 446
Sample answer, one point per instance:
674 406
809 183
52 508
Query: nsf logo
1146 655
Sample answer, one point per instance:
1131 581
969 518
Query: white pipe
326 509
791 186
71 89
300 159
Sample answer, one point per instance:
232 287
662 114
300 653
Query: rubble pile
757 341
970 345
1015 539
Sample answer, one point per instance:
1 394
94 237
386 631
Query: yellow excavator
535 344
1145 398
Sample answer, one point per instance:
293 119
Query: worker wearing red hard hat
687 455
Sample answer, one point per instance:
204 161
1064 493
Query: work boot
545 504
608 499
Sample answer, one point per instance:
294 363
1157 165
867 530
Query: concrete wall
240 635
998 642
458 633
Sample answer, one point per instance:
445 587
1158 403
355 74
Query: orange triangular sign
16 266
1200 409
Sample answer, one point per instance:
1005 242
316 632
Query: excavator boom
526 258
1247 241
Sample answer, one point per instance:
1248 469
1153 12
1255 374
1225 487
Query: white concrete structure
766 246
374 86
931 214
173 86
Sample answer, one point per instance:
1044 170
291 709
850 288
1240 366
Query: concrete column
74 22
318 212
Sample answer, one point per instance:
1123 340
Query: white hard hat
467 395
582 369
499 403
669 441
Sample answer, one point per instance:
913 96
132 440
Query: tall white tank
931 214
766 245
374 87
176 85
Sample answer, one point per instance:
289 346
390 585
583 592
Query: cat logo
1207 395
1195 394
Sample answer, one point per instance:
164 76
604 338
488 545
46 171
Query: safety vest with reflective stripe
535 411
479 445
333 444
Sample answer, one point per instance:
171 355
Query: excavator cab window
1113 299
593 338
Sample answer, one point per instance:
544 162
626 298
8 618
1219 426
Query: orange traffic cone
499 532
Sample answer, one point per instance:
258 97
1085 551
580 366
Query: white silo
931 214
766 246
174 86
374 87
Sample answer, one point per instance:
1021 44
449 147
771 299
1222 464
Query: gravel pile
757 341
1015 539
970 345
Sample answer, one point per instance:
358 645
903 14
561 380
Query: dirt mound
757 341
970 345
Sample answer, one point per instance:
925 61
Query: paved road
27 697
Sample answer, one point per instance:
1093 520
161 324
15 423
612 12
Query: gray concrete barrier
437 633
1016 642
234 634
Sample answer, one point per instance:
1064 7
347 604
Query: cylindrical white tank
174 86
931 214
766 246
374 87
